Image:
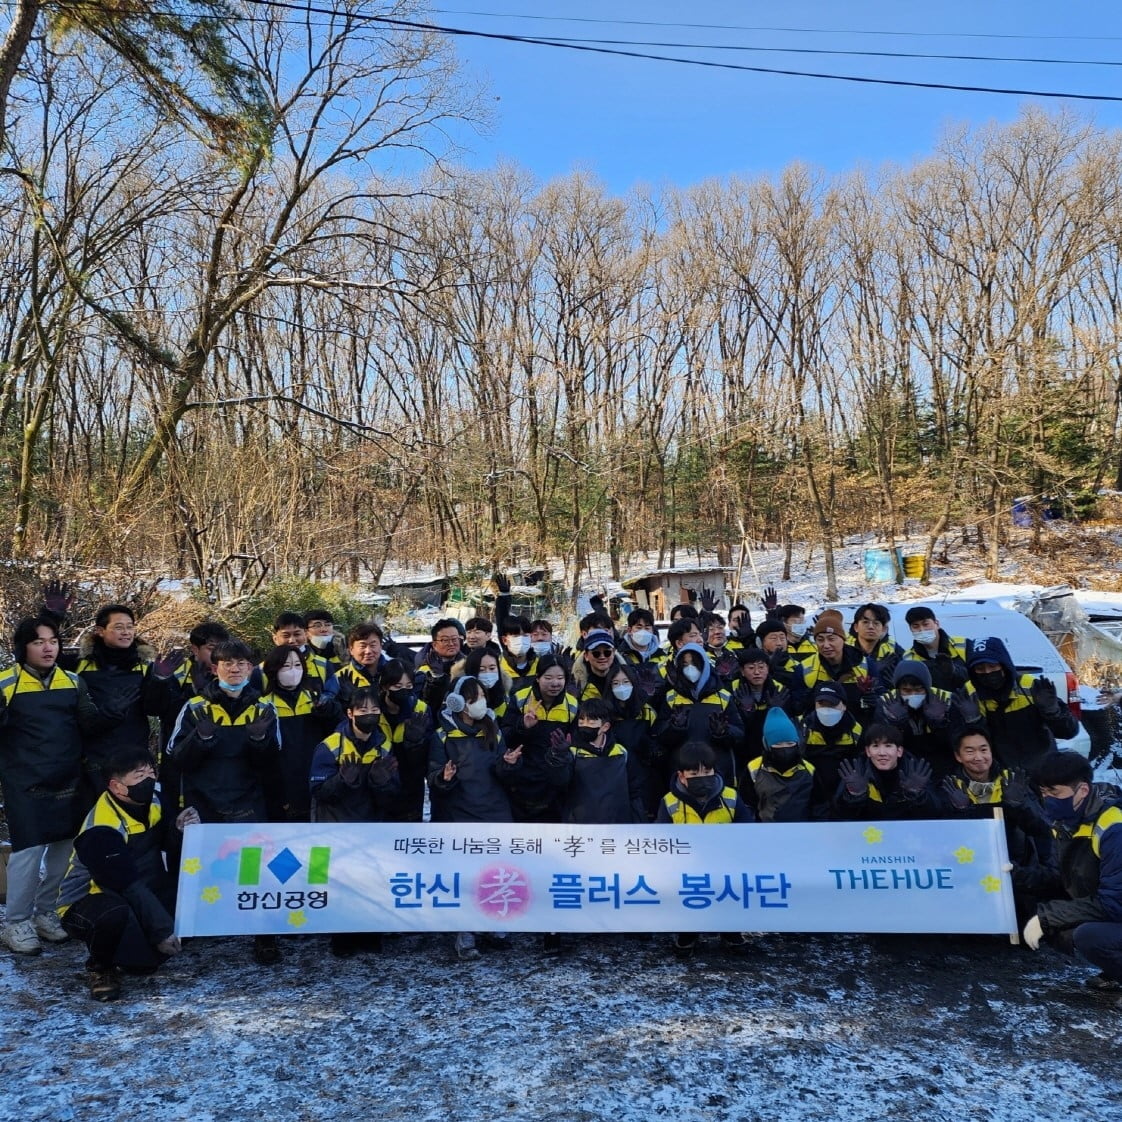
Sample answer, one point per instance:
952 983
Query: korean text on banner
861 877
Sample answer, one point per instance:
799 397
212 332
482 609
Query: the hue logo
284 866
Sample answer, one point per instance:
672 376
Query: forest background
289 337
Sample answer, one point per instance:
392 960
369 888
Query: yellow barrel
915 565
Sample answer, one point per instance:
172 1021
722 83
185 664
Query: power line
839 51
429 28
791 30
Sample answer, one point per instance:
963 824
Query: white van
1031 650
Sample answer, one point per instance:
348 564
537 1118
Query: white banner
876 877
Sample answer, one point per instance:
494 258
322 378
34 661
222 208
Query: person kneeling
116 896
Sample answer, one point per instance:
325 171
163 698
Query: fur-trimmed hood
86 647
581 671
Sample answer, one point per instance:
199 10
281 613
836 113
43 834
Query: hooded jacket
531 784
928 732
696 712
1023 721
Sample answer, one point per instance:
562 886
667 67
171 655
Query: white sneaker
20 938
48 926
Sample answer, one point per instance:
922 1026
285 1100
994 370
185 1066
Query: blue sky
636 121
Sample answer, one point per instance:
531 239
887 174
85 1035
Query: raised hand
58 598
955 795
855 775
915 775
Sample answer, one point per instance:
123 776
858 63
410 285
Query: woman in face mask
306 716
698 707
632 726
492 676
469 769
406 723
536 712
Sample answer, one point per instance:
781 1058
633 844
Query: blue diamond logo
284 865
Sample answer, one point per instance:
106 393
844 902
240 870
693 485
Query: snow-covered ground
801 1027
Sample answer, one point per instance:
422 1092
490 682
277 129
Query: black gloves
955 795
855 775
915 775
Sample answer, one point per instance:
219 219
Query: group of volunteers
495 721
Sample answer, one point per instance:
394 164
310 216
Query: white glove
1033 933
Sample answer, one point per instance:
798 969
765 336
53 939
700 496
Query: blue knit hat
779 729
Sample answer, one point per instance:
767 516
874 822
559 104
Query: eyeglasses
601 652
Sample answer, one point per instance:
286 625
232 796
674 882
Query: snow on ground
802 1028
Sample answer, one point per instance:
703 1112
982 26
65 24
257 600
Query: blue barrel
879 566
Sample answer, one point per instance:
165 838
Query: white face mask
288 677
915 700
518 644
641 640
798 629
476 709
321 642
928 636
488 678
623 691
542 648
828 717
692 673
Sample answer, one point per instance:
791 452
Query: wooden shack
660 590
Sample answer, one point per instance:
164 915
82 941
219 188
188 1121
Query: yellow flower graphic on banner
872 835
964 856
991 884
297 918
211 895
192 865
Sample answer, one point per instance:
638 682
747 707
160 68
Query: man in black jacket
225 739
117 897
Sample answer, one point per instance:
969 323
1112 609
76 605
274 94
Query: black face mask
367 722
584 737
703 787
403 699
783 759
142 792
991 680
